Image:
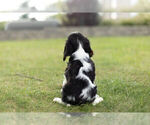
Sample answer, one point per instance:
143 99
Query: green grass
122 75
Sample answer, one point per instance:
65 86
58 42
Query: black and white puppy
78 85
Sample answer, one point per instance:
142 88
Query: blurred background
29 19
32 38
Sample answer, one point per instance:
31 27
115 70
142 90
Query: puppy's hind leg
97 100
59 100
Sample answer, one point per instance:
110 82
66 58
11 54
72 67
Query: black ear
67 50
87 46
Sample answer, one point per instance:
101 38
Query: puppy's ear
87 47
67 50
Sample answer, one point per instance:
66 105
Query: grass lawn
122 75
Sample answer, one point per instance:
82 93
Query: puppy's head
72 44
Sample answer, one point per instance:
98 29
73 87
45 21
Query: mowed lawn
122 75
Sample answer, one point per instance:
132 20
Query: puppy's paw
59 100
56 99
97 100
68 105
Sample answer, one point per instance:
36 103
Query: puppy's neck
80 54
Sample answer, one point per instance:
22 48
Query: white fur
81 55
59 100
97 100
71 98
65 81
